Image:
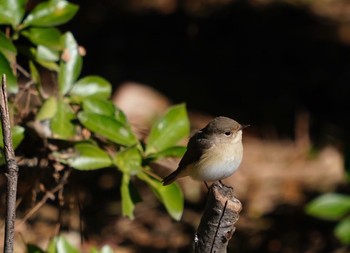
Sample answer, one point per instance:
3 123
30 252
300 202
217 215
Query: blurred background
281 66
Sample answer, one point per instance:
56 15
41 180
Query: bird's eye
228 133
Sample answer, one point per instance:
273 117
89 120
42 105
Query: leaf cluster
79 112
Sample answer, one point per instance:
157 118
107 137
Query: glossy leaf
31 53
51 13
176 151
34 73
48 109
342 231
46 54
12 11
89 157
61 124
48 37
331 206
7 48
70 65
11 80
17 134
99 106
129 161
129 196
60 245
171 195
168 130
108 127
92 86
121 117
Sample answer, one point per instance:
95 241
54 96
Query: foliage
77 112
335 207
59 244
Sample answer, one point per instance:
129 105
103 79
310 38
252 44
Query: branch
217 224
11 172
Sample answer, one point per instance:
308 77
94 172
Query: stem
11 172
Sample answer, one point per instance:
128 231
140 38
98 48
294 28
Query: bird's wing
196 146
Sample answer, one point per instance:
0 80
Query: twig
48 195
11 172
217 224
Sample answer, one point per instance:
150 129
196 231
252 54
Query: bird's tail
171 178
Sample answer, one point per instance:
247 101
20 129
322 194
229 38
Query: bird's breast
218 162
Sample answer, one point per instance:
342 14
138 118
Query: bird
213 153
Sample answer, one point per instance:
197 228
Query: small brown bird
213 153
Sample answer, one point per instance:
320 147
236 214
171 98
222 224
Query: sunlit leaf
175 151
168 130
31 53
46 54
70 65
11 80
129 161
34 73
48 37
89 157
99 106
60 245
17 134
108 127
171 195
51 13
107 249
92 86
120 116
129 196
7 48
12 11
61 124
48 109
342 231
330 206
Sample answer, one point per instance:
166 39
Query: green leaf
330 206
34 73
108 127
342 231
51 13
92 86
90 157
48 37
7 48
11 11
175 151
60 245
171 195
129 196
121 117
61 124
17 134
31 248
107 249
70 65
48 109
31 53
11 80
99 106
168 130
129 161
46 54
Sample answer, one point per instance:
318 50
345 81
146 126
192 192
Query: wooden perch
11 172
217 223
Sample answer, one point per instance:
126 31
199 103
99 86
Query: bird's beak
243 126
